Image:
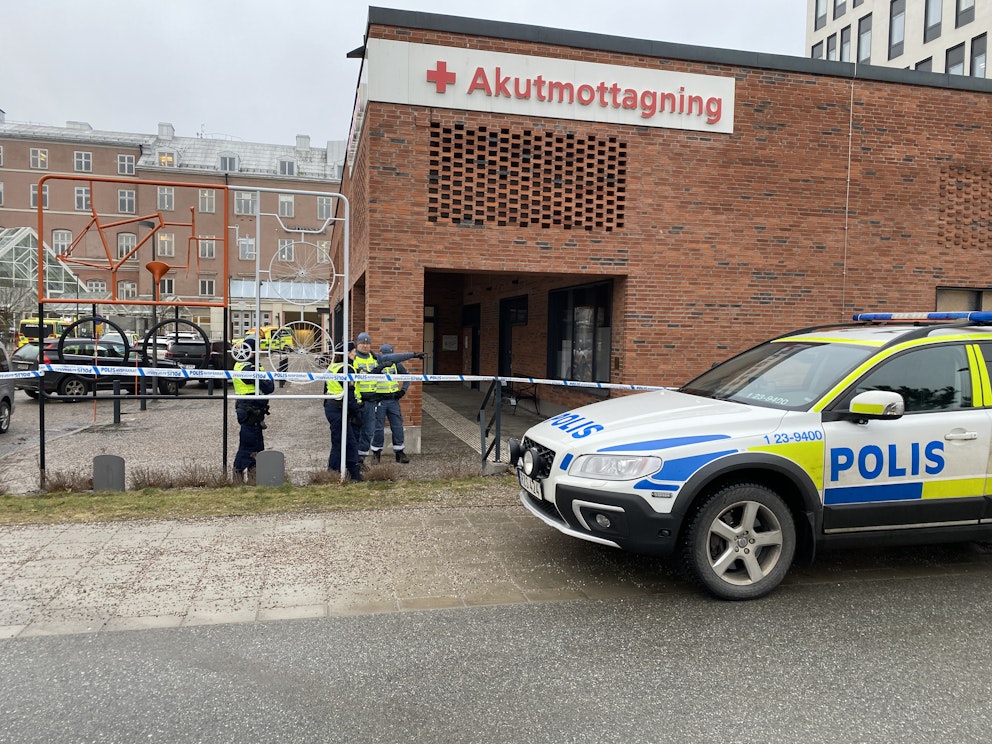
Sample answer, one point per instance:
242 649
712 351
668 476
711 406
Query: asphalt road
890 660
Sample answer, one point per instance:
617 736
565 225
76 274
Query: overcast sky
267 70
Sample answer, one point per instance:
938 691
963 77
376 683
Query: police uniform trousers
388 408
368 427
250 441
333 411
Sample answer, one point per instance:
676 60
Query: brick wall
725 239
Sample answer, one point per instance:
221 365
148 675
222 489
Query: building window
845 44
323 251
864 40
244 202
579 333
832 47
965 13
125 165
285 205
955 60
246 249
897 27
840 7
126 200
61 240
978 56
125 244
166 159
82 162
34 196
82 198
817 51
165 244
324 210
96 285
166 198
821 14
856 3
208 201
931 20
229 163
39 158
206 288
208 247
127 290
925 66
285 253
287 168
166 286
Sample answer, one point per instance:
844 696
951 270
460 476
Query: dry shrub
67 481
188 475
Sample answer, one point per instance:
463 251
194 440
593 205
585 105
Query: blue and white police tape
304 377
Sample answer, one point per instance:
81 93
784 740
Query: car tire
33 394
72 387
4 416
741 542
168 386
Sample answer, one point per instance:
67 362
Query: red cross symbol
441 77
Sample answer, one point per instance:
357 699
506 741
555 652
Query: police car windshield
791 374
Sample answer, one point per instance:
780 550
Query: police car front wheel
741 542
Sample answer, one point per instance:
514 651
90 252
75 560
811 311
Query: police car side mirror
877 404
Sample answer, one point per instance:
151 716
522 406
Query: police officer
337 406
365 362
388 407
251 414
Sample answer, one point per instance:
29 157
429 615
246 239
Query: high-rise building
944 36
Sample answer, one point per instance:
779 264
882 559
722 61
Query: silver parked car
6 391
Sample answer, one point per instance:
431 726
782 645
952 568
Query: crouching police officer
251 413
335 408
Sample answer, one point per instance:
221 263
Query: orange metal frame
113 263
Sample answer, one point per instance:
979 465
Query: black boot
401 457
377 456
355 471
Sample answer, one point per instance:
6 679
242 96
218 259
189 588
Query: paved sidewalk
60 579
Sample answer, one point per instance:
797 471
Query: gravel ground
187 434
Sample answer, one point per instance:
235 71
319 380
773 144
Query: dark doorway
512 312
472 323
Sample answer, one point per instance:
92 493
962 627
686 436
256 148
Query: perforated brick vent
966 216
526 178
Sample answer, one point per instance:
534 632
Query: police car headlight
613 467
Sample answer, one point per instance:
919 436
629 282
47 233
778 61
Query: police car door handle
961 435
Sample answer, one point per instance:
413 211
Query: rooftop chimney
303 142
166 130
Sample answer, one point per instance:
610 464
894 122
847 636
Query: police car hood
638 422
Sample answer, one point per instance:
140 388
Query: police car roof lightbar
971 316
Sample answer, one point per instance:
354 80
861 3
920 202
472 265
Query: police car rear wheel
741 542
4 416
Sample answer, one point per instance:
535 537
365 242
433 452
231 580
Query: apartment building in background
942 36
171 221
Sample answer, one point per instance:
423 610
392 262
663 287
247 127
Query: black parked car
89 352
192 354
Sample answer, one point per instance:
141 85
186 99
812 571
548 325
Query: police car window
791 374
935 378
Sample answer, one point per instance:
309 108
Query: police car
873 432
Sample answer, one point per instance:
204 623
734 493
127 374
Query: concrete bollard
108 473
270 468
